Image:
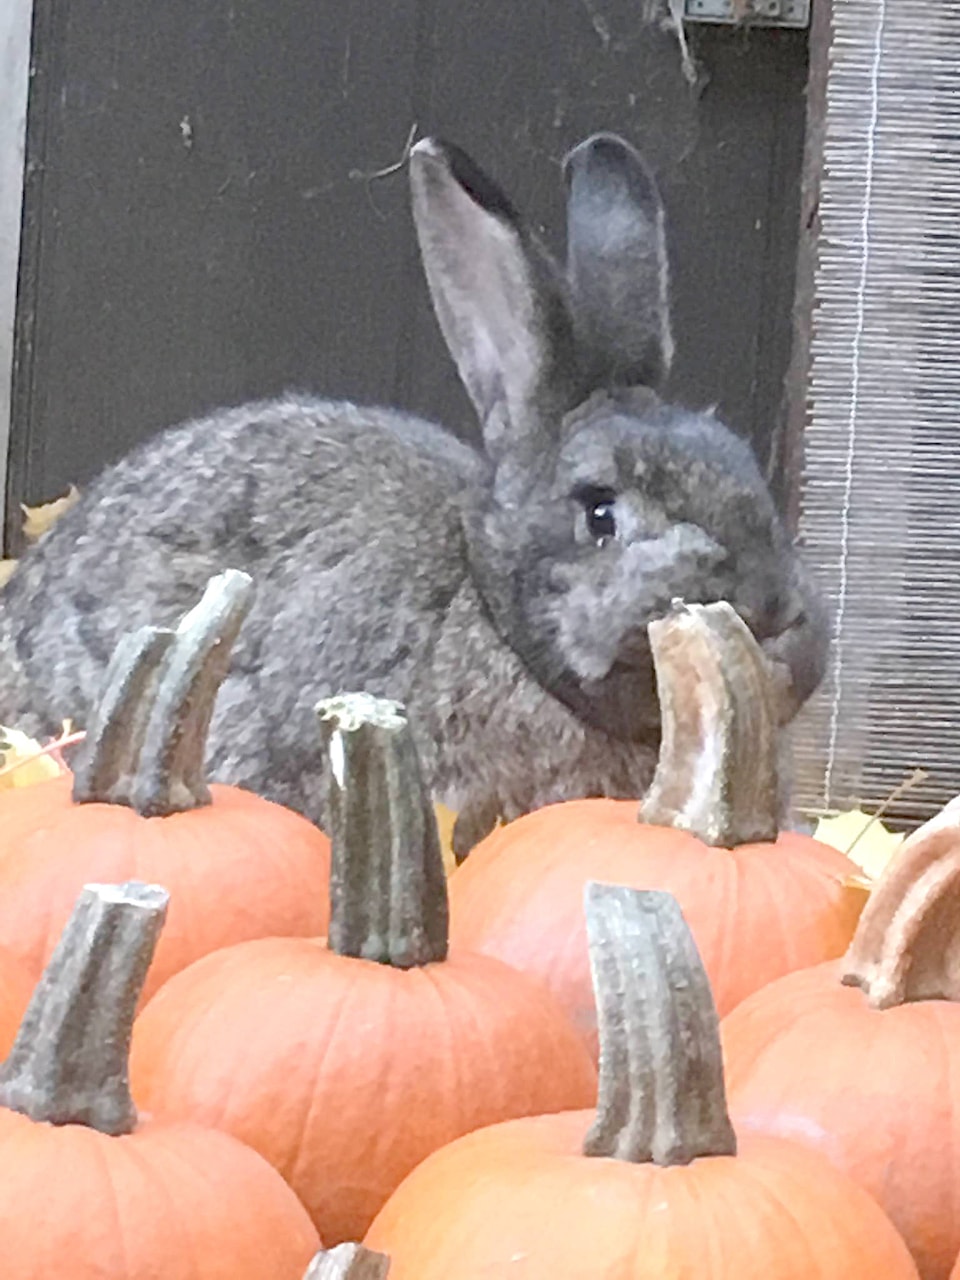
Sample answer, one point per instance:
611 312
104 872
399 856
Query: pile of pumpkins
622 1040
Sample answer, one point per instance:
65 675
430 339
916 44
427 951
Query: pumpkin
85 1189
860 1058
759 905
655 1182
138 807
345 1063
348 1262
16 989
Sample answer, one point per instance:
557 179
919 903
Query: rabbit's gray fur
484 590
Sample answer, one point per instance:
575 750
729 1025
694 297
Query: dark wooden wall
200 227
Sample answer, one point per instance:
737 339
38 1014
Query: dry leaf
24 761
37 520
863 838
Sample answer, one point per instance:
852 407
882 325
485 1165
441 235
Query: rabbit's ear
617 263
499 298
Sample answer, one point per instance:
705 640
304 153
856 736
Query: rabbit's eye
602 520
599 506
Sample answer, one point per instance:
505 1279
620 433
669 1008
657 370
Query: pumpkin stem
388 889
146 746
717 774
348 1262
906 946
68 1064
662 1097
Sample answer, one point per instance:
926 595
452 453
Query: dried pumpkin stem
68 1064
907 946
146 746
348 1262
388 890
662 1097
717 775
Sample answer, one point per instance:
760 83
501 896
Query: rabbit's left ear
499 298
617 263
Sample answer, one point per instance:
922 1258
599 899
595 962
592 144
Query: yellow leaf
37 520
23 760
864 839
445 820
6 570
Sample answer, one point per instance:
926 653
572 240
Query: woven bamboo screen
881 495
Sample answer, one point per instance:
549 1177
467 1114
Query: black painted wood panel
201 225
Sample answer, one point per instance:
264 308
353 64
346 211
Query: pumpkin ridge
699 1209
112 1199
153 1183
315 1095
948 1134
453 1088
728 913
768 866
288 1160
758 1177
172 1160
645 1191
731 1065
238 830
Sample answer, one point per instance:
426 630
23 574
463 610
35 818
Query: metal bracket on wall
760 13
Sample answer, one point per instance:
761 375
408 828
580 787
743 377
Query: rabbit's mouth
622 704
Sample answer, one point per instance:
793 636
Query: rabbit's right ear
617 263
498 297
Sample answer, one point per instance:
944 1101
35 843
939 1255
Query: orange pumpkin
87 1192
655 1183
860 1058
15 991
759 905
138 807
346 1063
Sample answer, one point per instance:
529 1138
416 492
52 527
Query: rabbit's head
605 503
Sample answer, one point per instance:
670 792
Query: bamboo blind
881 490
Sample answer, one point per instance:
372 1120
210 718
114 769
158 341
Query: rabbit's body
286 511
503 595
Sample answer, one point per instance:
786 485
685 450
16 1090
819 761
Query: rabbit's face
605 504
641 504
670 505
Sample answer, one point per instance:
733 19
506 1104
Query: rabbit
502 593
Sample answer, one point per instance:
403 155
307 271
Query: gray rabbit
503 595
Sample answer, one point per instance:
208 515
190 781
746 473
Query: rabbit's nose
765 614
783 612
